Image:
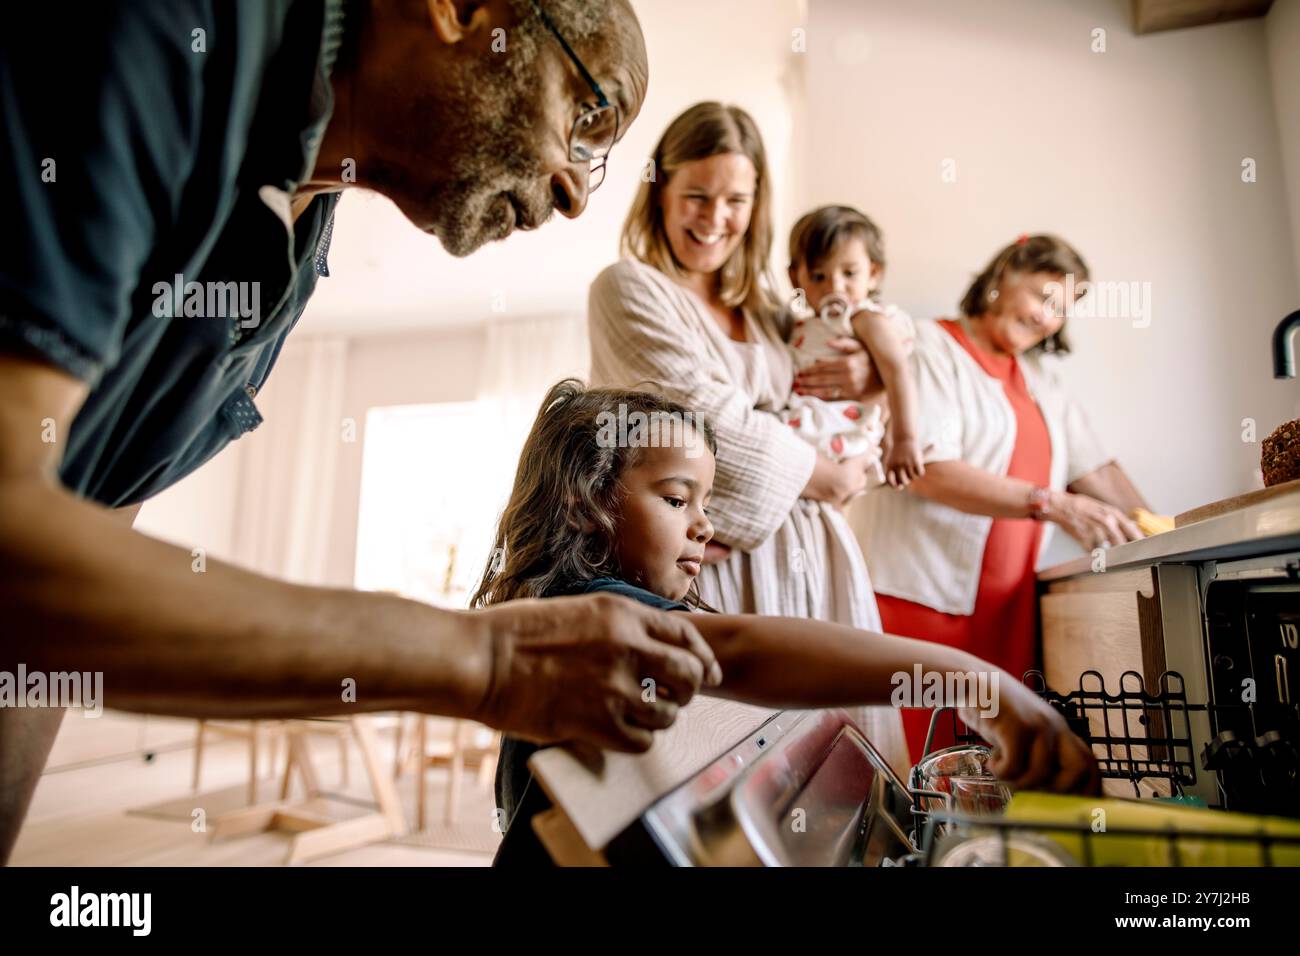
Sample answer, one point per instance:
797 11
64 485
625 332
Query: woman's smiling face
1022 315
662 523
707 205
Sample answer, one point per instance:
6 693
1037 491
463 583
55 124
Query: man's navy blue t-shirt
150 149
517 794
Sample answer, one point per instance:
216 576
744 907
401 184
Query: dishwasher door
805 789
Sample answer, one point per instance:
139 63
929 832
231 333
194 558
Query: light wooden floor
96 773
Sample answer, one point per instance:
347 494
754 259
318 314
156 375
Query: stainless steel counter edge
1270 527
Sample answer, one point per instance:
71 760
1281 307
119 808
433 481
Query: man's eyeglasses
594 132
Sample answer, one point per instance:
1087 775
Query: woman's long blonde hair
705 130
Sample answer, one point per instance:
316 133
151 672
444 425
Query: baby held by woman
837 261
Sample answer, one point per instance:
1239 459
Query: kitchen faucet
1284 347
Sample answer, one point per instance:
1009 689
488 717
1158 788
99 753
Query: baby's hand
903 462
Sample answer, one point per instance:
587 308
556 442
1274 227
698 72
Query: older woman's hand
837 378
1093 523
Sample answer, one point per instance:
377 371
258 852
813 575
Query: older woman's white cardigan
927 552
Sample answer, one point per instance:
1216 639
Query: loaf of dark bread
1280 457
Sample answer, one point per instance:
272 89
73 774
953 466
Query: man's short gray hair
576 19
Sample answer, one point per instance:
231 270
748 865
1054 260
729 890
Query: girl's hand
903 462
839 378
1033 748
1093 523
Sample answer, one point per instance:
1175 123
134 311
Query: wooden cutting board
1233 504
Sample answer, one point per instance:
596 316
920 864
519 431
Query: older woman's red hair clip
1024 237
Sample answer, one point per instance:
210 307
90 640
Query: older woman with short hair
1008 453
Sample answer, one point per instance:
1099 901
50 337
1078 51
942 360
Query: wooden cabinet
1108 622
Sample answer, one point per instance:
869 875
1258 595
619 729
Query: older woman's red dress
1002 628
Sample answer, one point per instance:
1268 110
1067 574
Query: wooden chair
457 753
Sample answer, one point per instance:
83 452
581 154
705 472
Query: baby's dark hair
816 235
558 530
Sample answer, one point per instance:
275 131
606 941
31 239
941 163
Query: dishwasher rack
1136 735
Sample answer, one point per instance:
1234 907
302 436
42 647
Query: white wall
399 369
199 510
1134 155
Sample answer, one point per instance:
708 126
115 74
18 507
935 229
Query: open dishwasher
809 789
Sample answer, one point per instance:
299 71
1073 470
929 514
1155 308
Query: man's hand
575 669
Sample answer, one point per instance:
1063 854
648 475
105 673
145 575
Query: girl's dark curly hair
559 528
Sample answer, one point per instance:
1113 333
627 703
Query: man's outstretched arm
83 592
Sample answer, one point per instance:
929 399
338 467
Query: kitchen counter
1270 527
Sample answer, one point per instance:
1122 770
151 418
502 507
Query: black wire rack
1137 735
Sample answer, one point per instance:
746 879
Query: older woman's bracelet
1038 499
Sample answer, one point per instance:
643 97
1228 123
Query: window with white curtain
428 507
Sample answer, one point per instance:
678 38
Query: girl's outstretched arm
798 663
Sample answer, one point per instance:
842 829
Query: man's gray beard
498 156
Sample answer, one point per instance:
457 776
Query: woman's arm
1110 484
973 490
796 663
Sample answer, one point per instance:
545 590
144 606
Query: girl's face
846 270
662 525
1022 315
707 205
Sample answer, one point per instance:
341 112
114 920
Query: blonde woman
690 307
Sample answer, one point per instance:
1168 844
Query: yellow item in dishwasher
1151 524
1104 815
